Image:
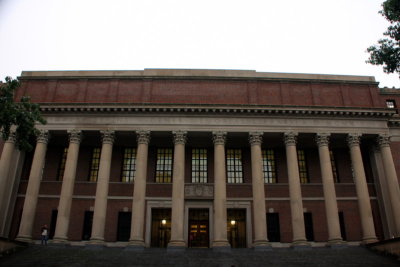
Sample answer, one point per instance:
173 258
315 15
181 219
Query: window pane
234 166
268 157
199 165
303 172
94 165
61 167
129 165
164 165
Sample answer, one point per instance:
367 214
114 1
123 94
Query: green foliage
23 115
387 51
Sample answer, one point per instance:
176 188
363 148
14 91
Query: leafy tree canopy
387 51
22 115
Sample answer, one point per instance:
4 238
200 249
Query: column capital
219 138
383 140
353 139
179 137
290 138
255 138
12 137
107 137
75 136
43 137
143 137
322 139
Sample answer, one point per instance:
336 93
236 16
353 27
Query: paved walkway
84 256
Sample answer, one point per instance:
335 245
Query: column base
336 243
261 245
59 240
369 240
300 244
95 243
221 246
176 245
25 239
135 244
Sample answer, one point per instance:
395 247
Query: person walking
44 233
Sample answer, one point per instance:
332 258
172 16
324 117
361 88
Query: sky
291 36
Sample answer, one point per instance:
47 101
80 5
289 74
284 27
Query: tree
23 115
387 51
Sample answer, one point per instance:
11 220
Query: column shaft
328 184
67 188
139 190
259 212
178 191
296 203
391 180
100 205
220 216
32 191
367 222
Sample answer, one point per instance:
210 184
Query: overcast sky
308 36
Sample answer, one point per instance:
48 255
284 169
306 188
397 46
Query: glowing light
233 222
163 221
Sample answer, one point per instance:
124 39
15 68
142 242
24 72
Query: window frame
269 170
199 175
303 168
234 166
61 164
130 166
94 164
164 166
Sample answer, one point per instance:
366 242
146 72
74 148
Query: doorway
124 226
160 227
87 225
236 227
199 236
273 227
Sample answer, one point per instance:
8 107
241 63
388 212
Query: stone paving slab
82 256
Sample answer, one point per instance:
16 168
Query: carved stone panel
199 191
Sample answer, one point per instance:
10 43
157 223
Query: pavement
71 256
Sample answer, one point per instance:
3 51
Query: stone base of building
176 245
261 245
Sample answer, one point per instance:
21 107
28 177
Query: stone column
32 191
139 190
67 189
5 183
100 204
328 184
296 203
364 204
220 218
391 179
259 212
178 192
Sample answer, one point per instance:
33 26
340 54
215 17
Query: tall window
199 165
164 165
301 157
269 169
234 166
334 169
94 164
61 166
129 165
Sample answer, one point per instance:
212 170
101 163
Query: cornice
237 110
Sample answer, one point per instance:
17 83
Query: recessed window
164 165
61 166
390 103
234 166
269 167
94 164
129 165
303 172
199 165
334 169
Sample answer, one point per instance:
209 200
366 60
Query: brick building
205 158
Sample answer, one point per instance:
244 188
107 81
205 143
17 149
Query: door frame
199 205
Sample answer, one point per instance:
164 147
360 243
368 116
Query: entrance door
237 228
124 226
160 227
273 227
198 228
87 225
53 223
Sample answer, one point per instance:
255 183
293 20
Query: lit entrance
237 228
198 228
160 227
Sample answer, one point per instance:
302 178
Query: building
205 158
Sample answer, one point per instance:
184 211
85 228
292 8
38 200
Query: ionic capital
107 137
353 139
255 138
322 139
219 138
179 137
75 136
43 137
290 138
143 137
383 140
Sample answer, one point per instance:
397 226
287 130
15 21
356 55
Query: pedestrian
44 233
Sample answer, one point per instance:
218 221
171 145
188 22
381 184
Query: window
301 157
129 165
94 164
61 166
390 103
164 165
234 166
334 169
268 158
199 165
